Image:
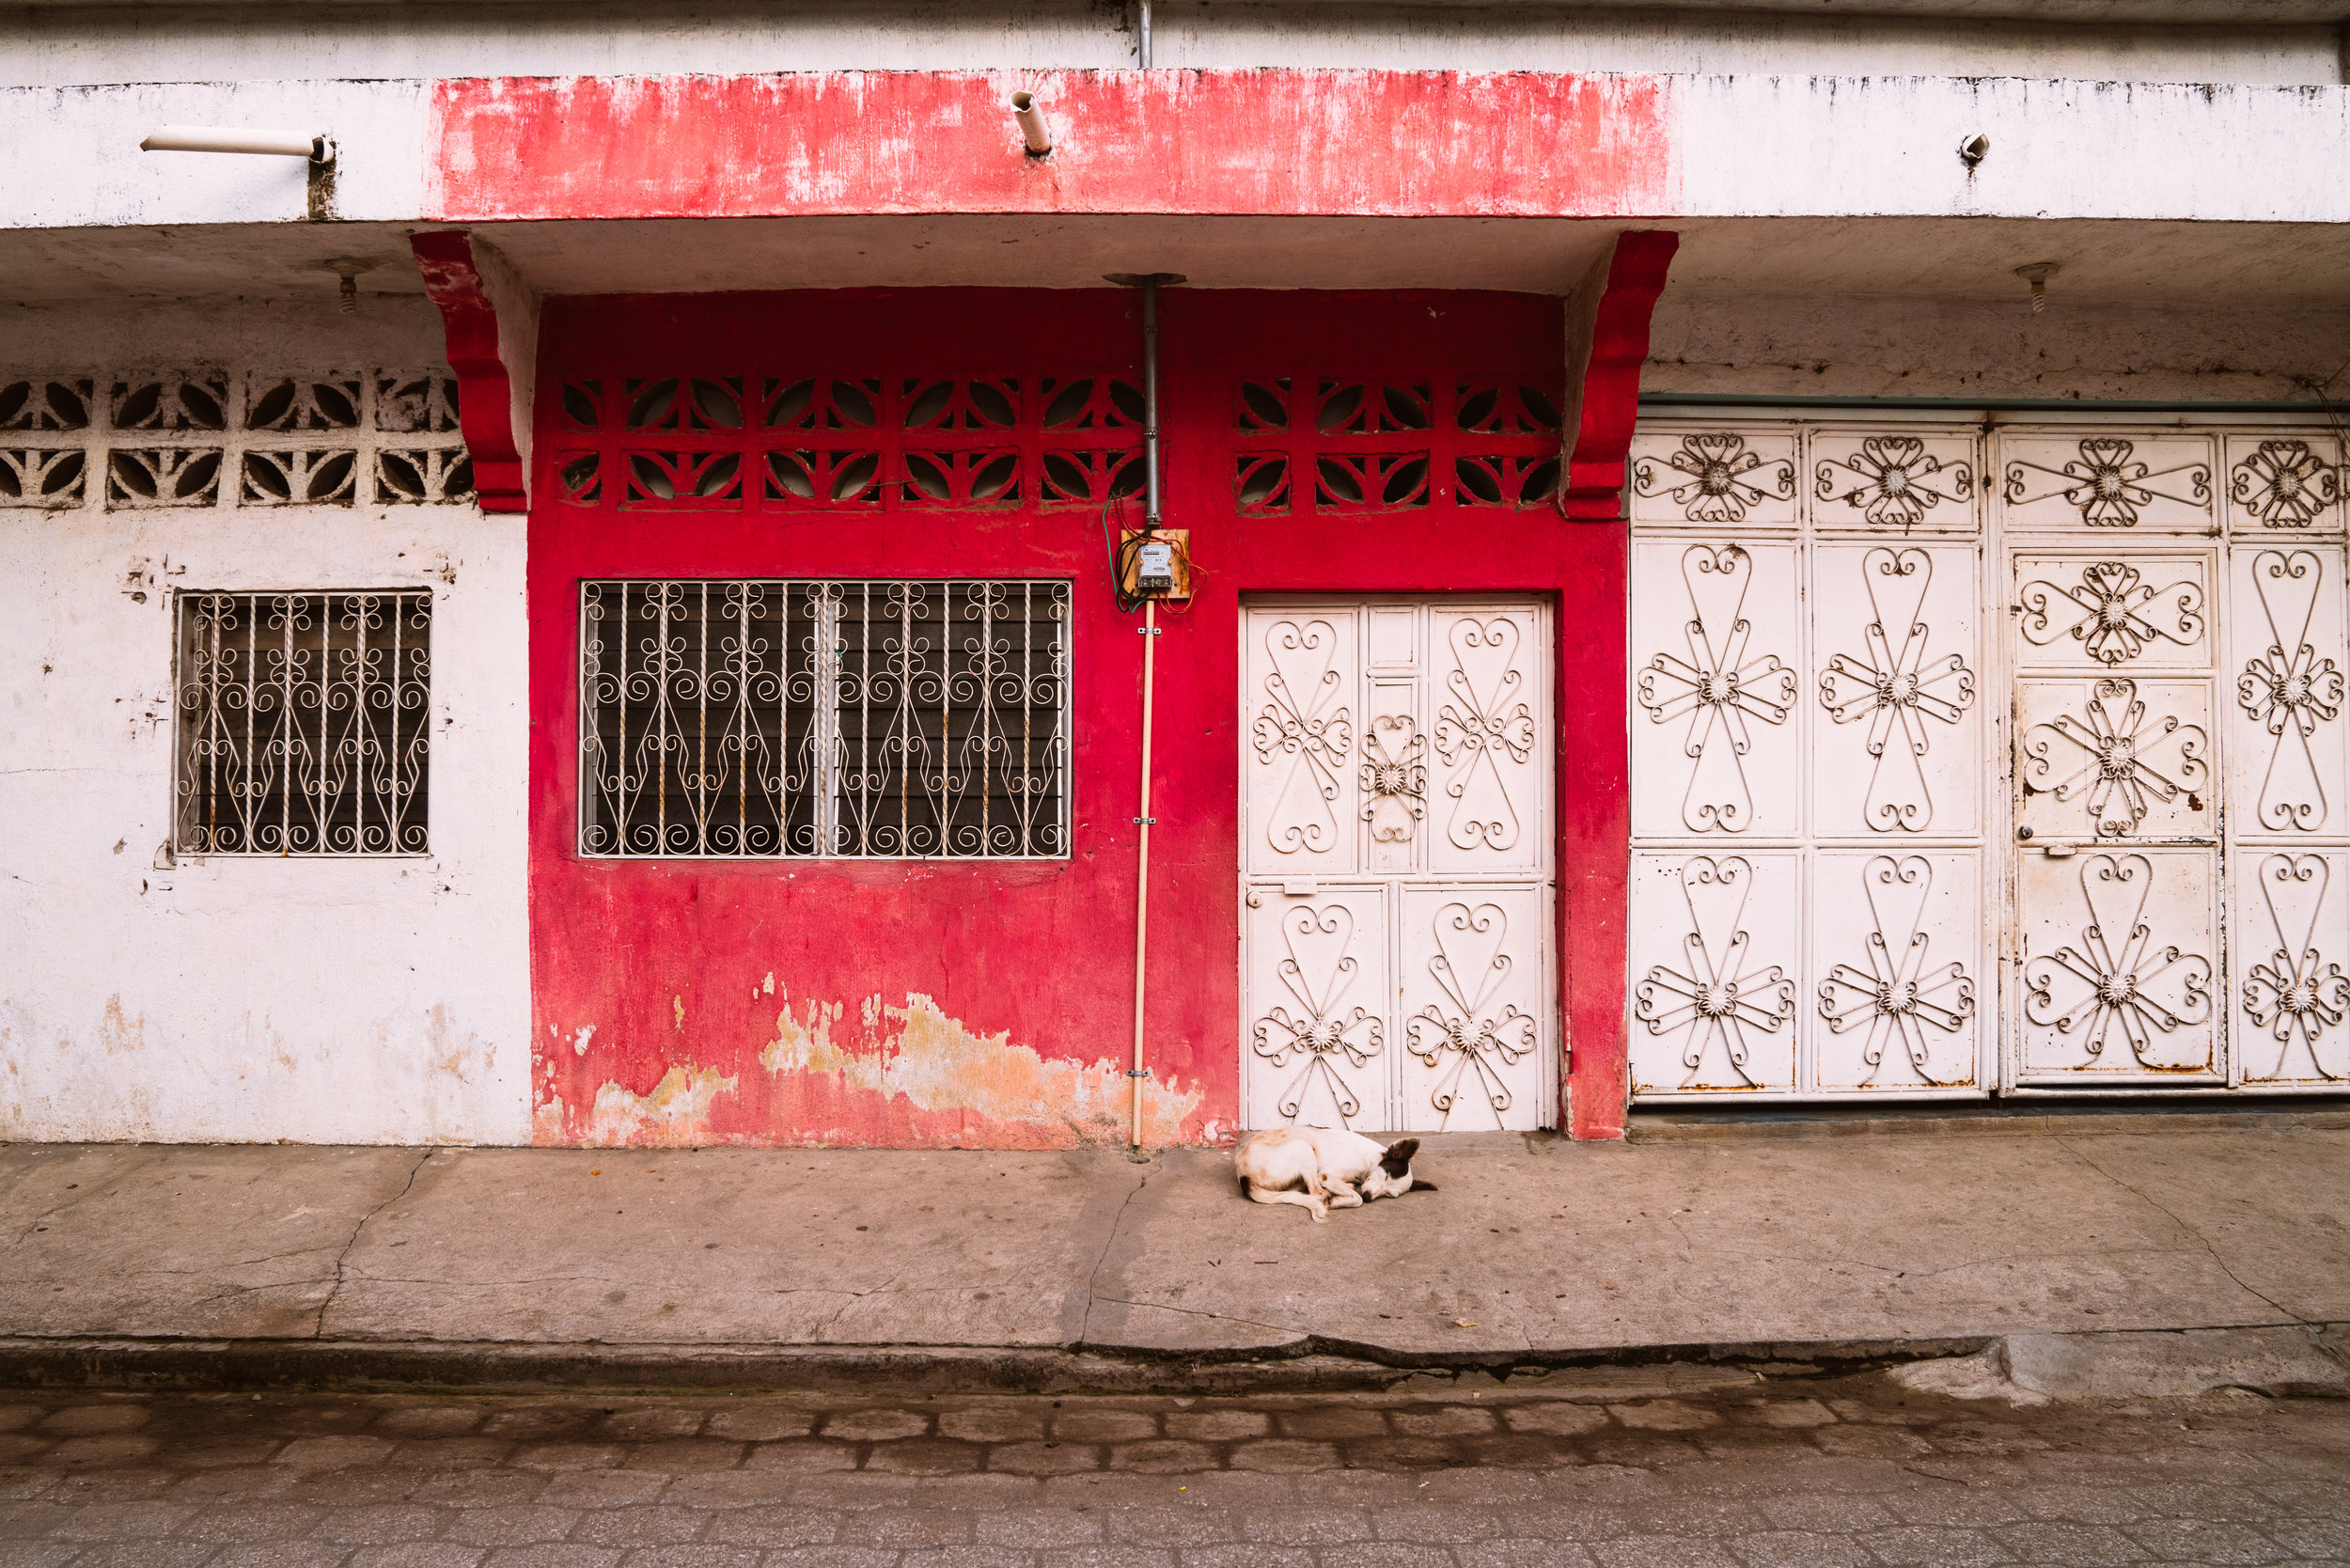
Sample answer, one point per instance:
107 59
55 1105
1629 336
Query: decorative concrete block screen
127 441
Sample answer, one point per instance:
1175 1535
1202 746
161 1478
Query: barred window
876 719
302 721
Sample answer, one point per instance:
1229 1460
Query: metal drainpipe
1142 33
1150 647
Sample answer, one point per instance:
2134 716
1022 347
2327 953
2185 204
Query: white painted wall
1812 346
57 44
321 1000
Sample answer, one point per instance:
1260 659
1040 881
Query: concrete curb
1312 1366
2021 1369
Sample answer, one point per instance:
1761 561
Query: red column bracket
1608 319
485 391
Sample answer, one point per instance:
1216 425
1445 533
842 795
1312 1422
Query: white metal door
1396 866
1865 656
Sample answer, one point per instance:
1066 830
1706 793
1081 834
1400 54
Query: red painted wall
1410 144
979 1003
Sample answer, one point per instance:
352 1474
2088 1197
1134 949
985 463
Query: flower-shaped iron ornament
1483 724
2111 613
2285 485
2116 979
2109 485
1318 973
1897 689
2296 995
1394 778
2289 694
1898 997
1468 966
2122 760
1719 688
1714 479
1892 481
1299 725
1717 999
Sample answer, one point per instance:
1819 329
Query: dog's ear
1398 1158
1421 1184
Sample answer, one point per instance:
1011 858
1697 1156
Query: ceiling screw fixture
2037 273
349 268
1974 150
1032 127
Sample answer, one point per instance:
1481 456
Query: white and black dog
1320 1169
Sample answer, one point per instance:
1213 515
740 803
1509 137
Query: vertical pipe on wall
1150 648
1142 33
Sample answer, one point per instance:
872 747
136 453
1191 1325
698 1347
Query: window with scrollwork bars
302 723
760 719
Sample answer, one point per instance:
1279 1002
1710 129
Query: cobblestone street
1576 1469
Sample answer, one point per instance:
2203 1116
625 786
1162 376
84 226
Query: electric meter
1154 567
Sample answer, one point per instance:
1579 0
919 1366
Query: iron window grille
302 721
754 719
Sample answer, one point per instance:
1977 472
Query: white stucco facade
369 999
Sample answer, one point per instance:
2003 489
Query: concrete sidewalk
719 1266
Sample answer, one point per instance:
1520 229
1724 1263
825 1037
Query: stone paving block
691 1554
36 1554
1663 1415
83 1420
1103 1426
1824 1513
1443 1420
760 1424
495 1488
1436 1524
773 1525
831 1557
552 1557
418 1554
685 1453
111 1448
994 1424
966 1556
334 1452
1383 1554
1332 1421
926 1525
1799 1549
1251 1556
1935 1547
654 1524
800 1458
1559 1419
1280 1454
281 1554
430 1420
1307 1526
576 1488
873 1426
2074 1546
923 1456
381 1524
1660 1551
1101 1556
1510 1553
2203 1541
1044 1459
637 1424
1188 1526
143 1554
1217 1426
512 1525
123 1521
254 1521
2318 1538
1161 1456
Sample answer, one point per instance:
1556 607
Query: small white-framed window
302 721
767 717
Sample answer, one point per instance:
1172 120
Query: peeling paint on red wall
926 1003
1408 144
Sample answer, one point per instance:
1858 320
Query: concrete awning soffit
2103 262
2209 12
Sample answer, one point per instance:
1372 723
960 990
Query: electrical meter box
1156 565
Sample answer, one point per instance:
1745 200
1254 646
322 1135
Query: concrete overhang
2255 13
2106 262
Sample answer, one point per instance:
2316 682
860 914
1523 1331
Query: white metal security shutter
1396 858
1865 656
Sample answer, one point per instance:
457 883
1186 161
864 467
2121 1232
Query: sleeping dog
1320 1169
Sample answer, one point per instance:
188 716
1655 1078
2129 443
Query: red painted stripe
1410 144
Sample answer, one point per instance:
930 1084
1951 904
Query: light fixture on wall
348 268
234 138
2037 273
1974 150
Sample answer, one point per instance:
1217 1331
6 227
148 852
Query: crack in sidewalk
342 1259
1094 1274
2196 1231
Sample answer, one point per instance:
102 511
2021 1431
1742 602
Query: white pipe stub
1032 129
232 138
